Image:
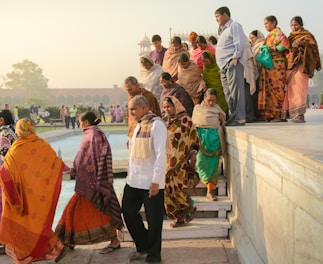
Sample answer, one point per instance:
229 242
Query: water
67 148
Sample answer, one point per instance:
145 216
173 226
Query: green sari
207 159
211 76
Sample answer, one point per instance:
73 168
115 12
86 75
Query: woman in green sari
209 119
211 76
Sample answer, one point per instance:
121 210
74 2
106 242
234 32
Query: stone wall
277 201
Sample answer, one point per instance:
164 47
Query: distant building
70 96
145 45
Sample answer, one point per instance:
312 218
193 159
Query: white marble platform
275 179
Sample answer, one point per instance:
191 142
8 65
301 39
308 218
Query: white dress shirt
142 172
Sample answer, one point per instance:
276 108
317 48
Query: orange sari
31 183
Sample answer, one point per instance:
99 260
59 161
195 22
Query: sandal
211 197
177 223
109 249
190 215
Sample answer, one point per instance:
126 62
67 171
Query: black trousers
146 240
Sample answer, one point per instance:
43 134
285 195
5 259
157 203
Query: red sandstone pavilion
70 96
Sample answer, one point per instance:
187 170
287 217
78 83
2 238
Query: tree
28 77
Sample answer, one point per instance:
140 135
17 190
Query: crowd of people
178 109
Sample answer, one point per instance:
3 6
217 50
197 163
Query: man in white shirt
145 181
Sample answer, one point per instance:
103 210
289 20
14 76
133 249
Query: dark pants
73 119
234 90
67 121
102 117
145 240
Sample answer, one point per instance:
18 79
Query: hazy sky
94 43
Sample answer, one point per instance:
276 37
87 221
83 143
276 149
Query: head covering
25 127
192 36
147 57
7 116
179 108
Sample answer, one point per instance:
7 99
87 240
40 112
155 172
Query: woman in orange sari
93 214
302 60
272 81
31 183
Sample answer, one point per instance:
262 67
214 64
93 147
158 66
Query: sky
94 43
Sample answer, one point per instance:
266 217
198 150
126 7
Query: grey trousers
234 90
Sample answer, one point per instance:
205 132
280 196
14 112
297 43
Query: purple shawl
180 93
94 176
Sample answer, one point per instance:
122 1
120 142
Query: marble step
198 228
206 208
221 188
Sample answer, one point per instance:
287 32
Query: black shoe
149 260
236 123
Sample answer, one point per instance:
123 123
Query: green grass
41 129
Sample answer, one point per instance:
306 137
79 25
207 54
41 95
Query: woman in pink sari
202 45
302 60
272 81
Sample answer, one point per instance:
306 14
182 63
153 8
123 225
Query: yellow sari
31 183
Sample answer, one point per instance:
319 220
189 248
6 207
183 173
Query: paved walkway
204 251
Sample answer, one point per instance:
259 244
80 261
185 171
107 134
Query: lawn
41 129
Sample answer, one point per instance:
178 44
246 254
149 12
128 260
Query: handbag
264 57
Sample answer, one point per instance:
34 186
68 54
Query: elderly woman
173 89
209 119
202 45
149 76
93 214
180 157
170 63
189 76
272 81
303 60
31 180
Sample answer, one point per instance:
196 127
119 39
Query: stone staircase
210 219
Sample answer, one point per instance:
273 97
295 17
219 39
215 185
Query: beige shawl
208 117
191 79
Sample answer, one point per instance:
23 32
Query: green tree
28 77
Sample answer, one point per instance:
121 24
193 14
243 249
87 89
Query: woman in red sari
302 60
31 180
93 213
272 81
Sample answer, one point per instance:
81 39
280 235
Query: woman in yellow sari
182 151
31 180
302 60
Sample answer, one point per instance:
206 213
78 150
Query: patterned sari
303 60
272 82
93 213
182 136
31 183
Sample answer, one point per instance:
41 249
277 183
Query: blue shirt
230 44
